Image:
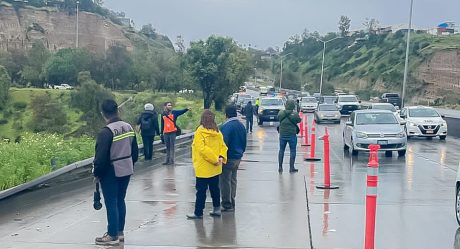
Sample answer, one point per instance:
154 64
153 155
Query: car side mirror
403 122
443 116
359 101
349 123
403 116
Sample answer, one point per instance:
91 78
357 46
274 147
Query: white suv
422 121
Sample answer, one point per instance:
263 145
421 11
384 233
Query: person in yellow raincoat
209 152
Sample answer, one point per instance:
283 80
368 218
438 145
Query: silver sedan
327 112
368 127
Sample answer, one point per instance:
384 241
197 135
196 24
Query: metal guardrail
158 146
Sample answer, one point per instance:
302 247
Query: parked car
392 98
269 108
348 103
308 104
63 87
423 121
366 127
327 112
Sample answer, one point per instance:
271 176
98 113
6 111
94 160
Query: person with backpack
288 131
149 127
169 130
115 154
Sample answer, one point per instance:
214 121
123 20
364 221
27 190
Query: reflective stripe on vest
120 151
169 126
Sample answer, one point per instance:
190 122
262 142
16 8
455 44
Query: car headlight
321 115
261 109
411 124
361 134
401 134
444 124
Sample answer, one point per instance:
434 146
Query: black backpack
146 122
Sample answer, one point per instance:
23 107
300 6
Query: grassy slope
379 60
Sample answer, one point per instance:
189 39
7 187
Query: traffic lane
416 197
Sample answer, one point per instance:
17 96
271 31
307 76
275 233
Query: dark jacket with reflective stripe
103 164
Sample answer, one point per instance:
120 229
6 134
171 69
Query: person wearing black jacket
249 113
149 127
115 154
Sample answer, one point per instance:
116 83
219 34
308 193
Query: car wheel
353 151
388 153
457 206
402 153
442 137
260 122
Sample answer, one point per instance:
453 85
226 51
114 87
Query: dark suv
392 98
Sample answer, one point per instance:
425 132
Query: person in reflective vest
169 130
115 154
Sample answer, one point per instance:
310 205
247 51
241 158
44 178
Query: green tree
219 66
118 66
344 25
5 81
32 72
47 115
88 99
64 66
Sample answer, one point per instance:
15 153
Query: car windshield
329 100
271 102
309 100
375 118
348 99
327 108
423 113
384 107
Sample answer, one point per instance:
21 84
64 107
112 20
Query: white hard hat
149 107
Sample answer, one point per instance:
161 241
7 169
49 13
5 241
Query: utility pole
76 40
406 66
281 73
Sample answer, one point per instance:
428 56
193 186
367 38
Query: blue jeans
284 140
114 191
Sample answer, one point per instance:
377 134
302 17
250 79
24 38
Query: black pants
114 191
249 123
147 140
201 187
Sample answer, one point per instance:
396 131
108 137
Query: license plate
382 142
429 132
272 117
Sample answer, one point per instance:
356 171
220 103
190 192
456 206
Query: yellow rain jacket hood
208 146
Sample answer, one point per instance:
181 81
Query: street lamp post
322 64
76 40
281 68
406 66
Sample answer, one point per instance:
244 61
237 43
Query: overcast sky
265 23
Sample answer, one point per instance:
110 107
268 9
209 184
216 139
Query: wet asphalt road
415 204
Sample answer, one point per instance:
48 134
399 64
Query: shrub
19 105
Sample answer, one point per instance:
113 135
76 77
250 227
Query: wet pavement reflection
416 196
